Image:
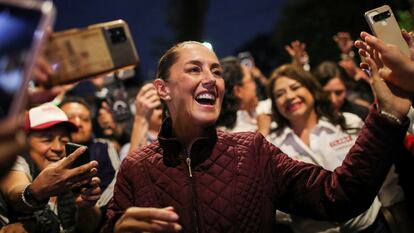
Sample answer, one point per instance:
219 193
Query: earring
168 97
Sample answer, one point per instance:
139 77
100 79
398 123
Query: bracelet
391 116
29 200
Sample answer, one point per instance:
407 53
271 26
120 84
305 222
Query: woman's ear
238 92
162 89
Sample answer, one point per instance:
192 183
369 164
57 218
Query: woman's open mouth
206 99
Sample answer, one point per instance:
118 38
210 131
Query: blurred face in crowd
194 88
337 92
48 146
293 100
246 93
107 122
81 117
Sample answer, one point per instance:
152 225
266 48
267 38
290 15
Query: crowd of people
329 149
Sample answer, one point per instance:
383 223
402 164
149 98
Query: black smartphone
23 26
84 158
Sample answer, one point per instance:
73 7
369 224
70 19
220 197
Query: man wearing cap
38 187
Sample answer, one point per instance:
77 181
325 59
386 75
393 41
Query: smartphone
84 158
23 29
76 54
246 59
383 25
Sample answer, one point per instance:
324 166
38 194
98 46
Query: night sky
228 25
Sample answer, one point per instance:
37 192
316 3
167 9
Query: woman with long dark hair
311 130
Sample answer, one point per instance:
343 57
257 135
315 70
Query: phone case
98 49
383 25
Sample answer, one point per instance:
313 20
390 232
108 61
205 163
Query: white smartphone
23 28
383 25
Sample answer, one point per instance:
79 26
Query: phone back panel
79 53
387 29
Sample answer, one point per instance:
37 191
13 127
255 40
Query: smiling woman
196 178
192 88
310 130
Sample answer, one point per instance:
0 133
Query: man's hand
59 177
89 196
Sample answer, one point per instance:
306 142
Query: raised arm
351 188
55 179
145 102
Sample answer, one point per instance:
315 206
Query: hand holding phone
84 158
383 25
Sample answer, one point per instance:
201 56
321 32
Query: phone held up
246 59
23 26
383 25
84 158
97 49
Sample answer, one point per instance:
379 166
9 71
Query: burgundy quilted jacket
234 182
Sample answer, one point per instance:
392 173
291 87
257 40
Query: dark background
261 27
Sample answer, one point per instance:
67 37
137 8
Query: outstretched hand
59 177
389 97
383 54
344 42
297 51
136 219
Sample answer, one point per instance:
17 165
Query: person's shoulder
352 119
139 155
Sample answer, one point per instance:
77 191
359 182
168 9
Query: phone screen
17 31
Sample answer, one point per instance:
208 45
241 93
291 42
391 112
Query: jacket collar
173 151
281 135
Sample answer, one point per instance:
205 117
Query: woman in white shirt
309 130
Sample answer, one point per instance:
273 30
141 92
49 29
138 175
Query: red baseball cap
46 116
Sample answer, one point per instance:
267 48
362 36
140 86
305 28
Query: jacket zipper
194 194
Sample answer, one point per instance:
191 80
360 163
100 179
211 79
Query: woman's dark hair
323 105
164 65
169 58
233 76
328 70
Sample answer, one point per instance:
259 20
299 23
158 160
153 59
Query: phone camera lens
117 35
382 16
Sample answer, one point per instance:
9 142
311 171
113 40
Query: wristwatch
29 200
